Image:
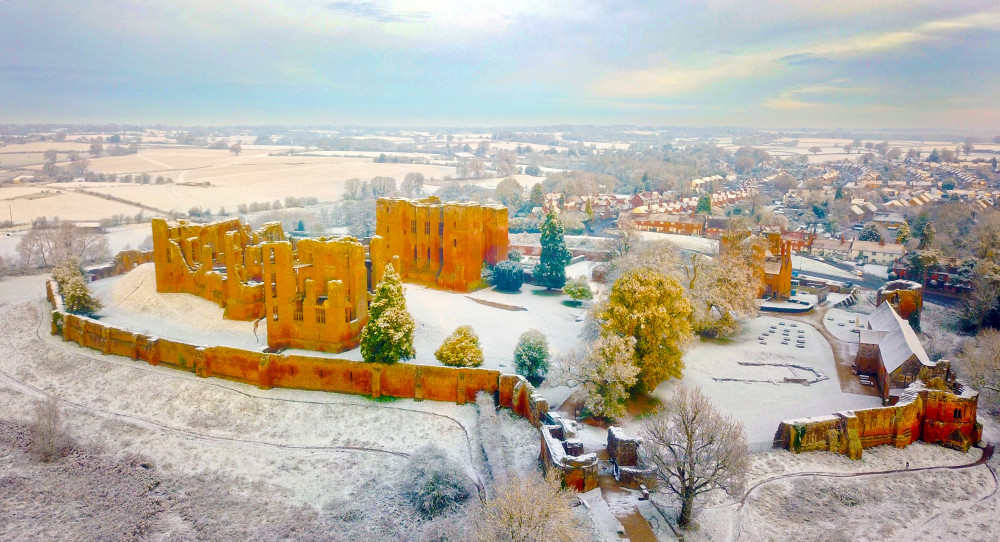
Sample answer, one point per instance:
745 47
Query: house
890 352
878 253
684 224
799 241
856 214
892 221
834 248
715 226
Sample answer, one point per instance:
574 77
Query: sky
791 64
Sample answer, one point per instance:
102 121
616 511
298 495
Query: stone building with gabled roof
890 351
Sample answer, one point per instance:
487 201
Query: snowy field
131 301
825 496
762 399
220 449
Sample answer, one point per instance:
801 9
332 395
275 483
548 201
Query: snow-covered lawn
880 271
131 302
762 405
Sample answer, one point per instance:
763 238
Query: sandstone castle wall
936 416
271 370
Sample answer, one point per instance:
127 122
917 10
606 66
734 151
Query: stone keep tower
906 296
439 243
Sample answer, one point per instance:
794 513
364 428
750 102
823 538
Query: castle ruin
313 294
444 244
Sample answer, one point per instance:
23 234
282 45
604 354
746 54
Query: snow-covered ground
18 289
938 504
808 265
876 270
845 325
299 441
685 242
131 302
762 405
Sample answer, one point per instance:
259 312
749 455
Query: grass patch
384 398
641 405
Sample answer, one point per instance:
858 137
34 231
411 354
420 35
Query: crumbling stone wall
267 370
624 451
439 243
621 448
578 472
317 297
219 262
125 261
937 416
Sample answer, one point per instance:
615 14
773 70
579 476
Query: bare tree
477 167
416 181
980 364
694 449
527 508
47 245
46 431
96 149
623 239
506 163
236 149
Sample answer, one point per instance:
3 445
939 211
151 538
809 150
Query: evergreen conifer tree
388 336
551 269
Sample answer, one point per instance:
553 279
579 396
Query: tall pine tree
388 336
551 269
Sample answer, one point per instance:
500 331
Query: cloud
673 79
369 10
806 96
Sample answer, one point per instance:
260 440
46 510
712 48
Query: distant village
715 204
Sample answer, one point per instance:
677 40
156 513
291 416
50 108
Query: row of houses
607 206
966 178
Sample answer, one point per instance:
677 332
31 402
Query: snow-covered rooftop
899 342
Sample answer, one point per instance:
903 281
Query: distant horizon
912 65
842 132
